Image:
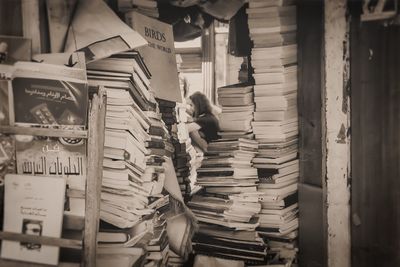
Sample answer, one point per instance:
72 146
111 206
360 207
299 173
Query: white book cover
33 205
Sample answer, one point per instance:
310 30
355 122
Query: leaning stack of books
145 7
125 194
272 27
133 173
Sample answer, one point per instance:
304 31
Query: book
159 54
145 3
110 235
121 257
52 157
271 22
33 205
269 3
46 94
271 11
274 39
276 115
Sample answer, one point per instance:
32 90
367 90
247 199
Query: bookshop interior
205 133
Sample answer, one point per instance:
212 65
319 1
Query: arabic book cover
33 205
41 101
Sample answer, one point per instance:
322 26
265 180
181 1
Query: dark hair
185 87
208 19
201 104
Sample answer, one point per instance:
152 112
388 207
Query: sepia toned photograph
199 133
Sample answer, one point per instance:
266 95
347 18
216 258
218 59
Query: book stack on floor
272 27
145 7
133 175
228 205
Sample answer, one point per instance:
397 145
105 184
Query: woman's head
200 104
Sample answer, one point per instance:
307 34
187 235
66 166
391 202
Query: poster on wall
159 55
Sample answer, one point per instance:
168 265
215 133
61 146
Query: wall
375 69
310 31
10 17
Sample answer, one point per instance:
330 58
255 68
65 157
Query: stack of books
125 193
237 110
133 173
157 246
168 112
185 153
160 148
145 7
179 157
227 167
182 167
232 244
175 260
227 207
233 69
272 27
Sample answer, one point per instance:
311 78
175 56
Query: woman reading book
204 127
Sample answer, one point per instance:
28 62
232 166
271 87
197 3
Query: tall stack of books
272 27
133 174
145 7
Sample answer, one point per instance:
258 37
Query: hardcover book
33 206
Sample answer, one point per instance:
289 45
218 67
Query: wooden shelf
44 132
90 223
13 263
44 240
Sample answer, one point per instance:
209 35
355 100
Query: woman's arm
193 127
198 140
